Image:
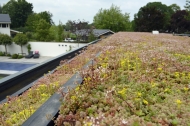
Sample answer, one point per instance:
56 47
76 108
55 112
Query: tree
42 30
19 10
20 39
153 16
0 9
33 20
5 40
112 19
68 25
179 23
153 21
80 29
187 6
56 32
53 33
47 16
60 32
175 7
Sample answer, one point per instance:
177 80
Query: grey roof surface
96 32
5 18
99 32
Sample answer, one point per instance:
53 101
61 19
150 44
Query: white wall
44 48
5 30
13 48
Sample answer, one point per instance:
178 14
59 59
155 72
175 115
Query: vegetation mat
139 79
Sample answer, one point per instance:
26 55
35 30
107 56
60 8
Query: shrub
20 56
29 48
2 54
8 54
14 56
73 37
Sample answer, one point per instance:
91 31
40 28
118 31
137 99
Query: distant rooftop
5 18
99 32
96 32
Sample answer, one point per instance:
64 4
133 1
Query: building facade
5 23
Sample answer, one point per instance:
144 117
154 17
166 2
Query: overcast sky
65 10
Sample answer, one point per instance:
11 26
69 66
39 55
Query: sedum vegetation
138 79
19 108
134 79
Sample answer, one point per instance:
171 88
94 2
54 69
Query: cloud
64 10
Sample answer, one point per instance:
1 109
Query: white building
5 23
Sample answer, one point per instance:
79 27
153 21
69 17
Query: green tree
5 40
53 32
112 19
33 20
29 35
153 16
47 16
56 33
19 10
0 9
187 6
42 30
68 25
60 32
175 7
21 39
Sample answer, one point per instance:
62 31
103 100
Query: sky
64 10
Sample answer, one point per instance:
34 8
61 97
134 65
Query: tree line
158 16
152 16
36 26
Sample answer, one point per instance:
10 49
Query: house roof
96 32
5 18
99 32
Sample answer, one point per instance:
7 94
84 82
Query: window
0 25
4 25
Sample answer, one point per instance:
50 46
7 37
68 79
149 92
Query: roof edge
106 32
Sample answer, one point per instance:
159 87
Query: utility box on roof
155 32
